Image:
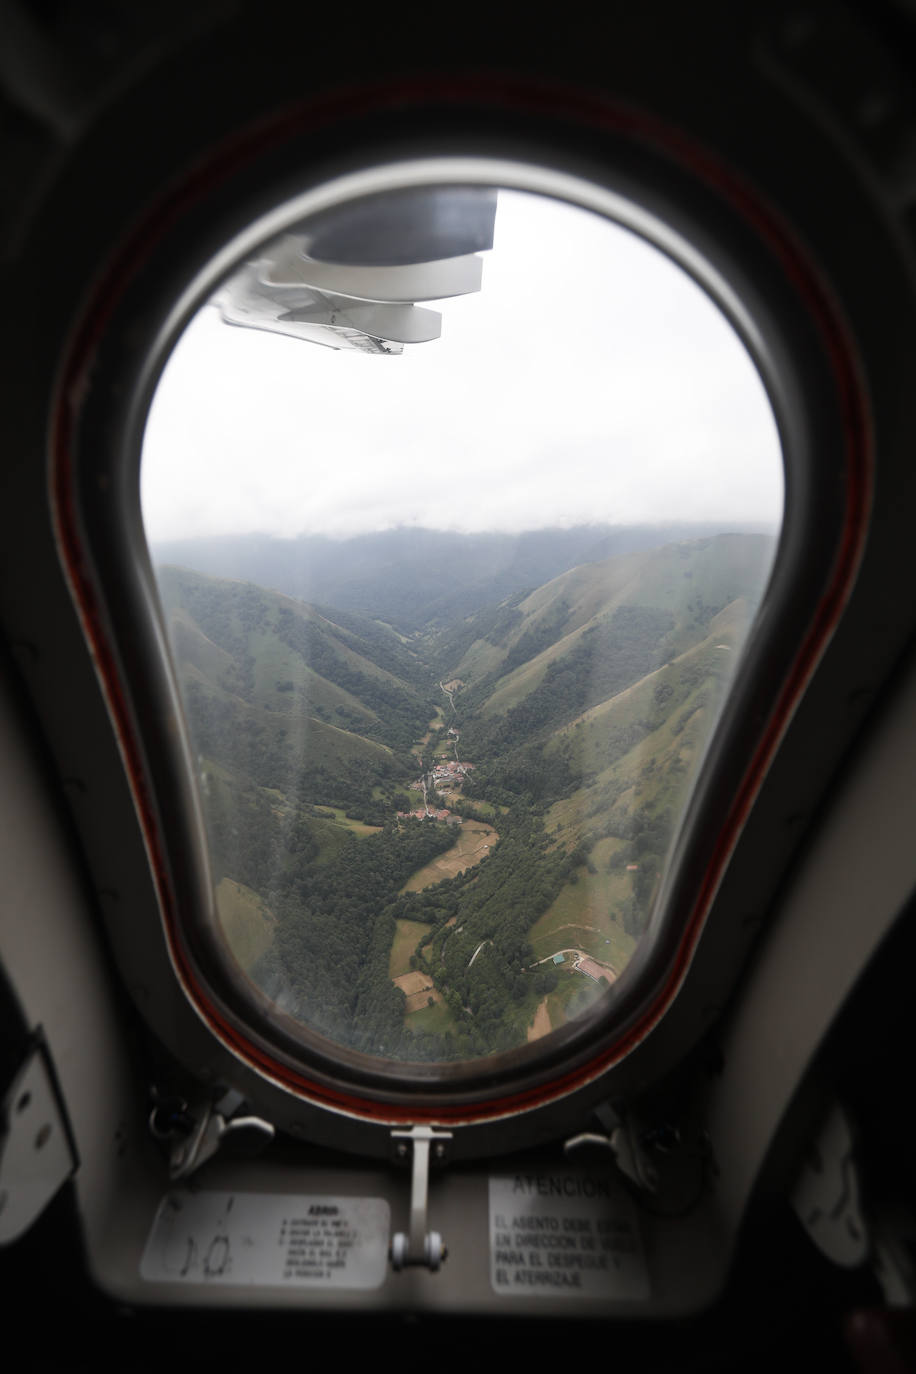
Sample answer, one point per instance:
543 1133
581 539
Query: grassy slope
655 774
515 686
584 592
195 649
580 597
275 663
583 913
675 746
406 938
482 658
354 827
436 1018
320 741
710 572
247 921
346 642
178 586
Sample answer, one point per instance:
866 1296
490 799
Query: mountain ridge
413 577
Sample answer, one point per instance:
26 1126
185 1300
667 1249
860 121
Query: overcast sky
589 381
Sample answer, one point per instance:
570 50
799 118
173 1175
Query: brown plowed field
418 988
474 842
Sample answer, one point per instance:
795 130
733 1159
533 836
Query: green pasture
436 1018
247 921
406 938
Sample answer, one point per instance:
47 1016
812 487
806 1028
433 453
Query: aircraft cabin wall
843 899
674 1160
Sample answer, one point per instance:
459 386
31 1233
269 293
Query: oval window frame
101 553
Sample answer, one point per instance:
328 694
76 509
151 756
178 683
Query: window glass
461 506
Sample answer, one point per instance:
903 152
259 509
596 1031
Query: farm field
247 921
418 988
407 936
434 725
474 841
436 1018
357 827
582 914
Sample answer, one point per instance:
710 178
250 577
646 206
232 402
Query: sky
589 381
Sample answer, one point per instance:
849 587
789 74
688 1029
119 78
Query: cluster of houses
443 776
447 772
430 814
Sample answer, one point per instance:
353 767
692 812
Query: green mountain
290 710
588 705
282 657
596 631
506 653
584 707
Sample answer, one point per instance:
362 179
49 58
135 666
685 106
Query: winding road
477 951
451 702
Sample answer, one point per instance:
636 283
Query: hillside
563 725
590 633
279 656
596 720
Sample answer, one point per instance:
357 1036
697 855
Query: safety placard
566 1234
268 1239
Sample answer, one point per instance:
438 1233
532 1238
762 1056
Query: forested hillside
438 844
273 677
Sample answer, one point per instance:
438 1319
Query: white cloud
589 380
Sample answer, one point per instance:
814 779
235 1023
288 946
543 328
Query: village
445 777
446 774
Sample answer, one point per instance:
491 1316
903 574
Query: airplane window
461 502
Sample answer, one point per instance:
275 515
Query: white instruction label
566 1234
268 1239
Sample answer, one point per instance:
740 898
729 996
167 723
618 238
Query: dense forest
429 872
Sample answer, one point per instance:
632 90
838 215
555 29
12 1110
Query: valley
437 837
